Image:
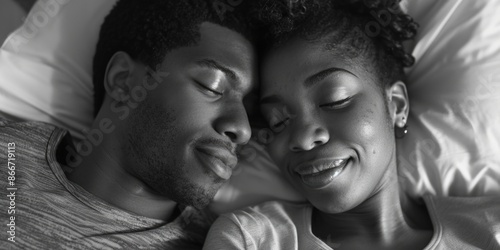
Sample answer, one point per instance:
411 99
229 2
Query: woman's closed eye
337 104
280 124
278 118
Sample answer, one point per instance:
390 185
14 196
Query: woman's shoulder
467 205
462 222
272 212
481 208
271 225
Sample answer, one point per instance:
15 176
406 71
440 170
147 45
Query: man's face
182 137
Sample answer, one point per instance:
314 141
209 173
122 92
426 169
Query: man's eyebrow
322 75
212 64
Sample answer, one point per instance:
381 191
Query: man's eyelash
207 88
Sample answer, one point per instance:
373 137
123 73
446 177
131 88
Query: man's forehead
229 48
214 36
219 49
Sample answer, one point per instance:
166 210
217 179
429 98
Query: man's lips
220 160
227 157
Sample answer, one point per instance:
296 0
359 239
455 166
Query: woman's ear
399 104
118 80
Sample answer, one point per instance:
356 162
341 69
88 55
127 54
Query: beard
157 161
181 189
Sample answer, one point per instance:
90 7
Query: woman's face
333 129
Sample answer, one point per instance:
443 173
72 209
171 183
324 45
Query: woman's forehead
299 59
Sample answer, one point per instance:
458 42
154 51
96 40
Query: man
169 78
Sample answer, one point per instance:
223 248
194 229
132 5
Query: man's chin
196 196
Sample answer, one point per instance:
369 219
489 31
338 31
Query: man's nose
233 123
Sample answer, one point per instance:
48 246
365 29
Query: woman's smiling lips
319 173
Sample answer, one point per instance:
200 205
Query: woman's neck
387 219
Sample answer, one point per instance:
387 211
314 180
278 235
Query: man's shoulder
29 138
24 127
29 131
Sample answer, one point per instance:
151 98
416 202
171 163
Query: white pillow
453 145
45 75
46 64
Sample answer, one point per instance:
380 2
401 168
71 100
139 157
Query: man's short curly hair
148 29
372 29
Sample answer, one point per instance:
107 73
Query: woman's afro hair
374 29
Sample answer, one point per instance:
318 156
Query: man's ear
118 80
399 104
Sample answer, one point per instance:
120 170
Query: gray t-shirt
42 209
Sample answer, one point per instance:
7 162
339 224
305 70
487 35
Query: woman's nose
307 136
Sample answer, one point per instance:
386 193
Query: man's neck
102 175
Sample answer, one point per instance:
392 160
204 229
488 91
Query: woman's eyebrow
310 81
269 99
212 64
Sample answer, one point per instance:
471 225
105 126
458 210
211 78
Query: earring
401 129
122 96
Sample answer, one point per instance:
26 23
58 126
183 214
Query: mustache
231 147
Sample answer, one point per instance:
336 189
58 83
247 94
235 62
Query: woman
336 68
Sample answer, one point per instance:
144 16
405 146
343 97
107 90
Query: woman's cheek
373 131
278 150
366 130
366 125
